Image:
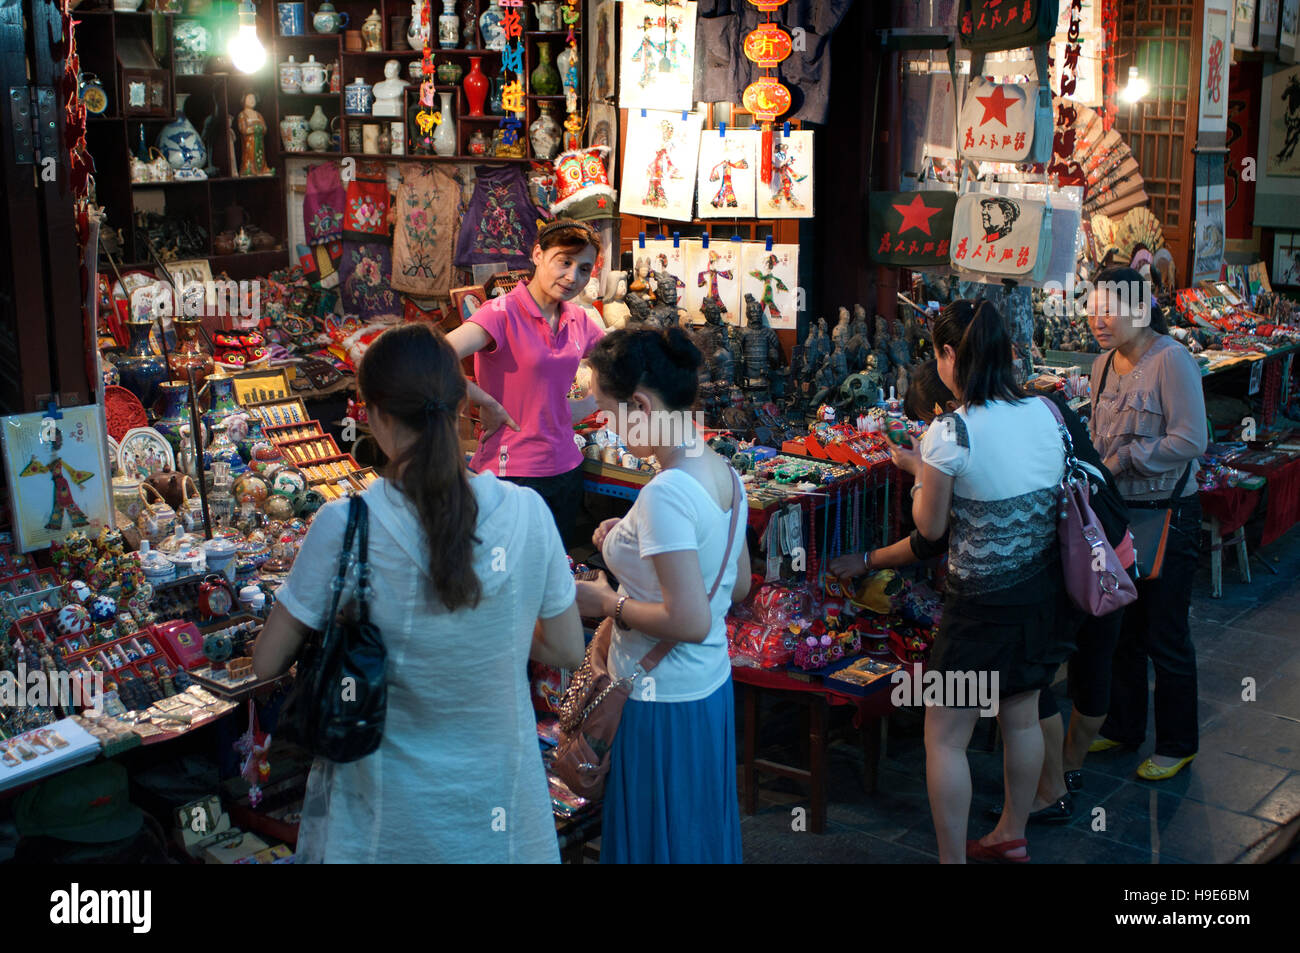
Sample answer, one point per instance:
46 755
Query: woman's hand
595 597
849 566
603 530
907 460
492 416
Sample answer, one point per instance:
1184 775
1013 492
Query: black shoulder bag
339 700
1149 525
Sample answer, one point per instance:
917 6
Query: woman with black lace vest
988 474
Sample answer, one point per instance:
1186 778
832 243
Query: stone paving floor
1242 788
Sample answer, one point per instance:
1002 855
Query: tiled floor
1243 786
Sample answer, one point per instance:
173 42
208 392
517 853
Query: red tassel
765 165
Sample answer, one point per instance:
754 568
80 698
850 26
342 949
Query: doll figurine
252 132
840 336
665 314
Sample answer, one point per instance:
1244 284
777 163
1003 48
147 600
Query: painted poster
1283 92
55 470
1266 26
715 270
659 164
666 258
600 48
1286 258
728 173
772 277
657 66
1243 25
1210 228
1086 66
1215 59
602 130
790 192
1290 31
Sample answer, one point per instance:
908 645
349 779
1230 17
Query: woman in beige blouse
1149 428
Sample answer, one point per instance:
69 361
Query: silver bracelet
915 486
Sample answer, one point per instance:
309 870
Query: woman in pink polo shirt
527 346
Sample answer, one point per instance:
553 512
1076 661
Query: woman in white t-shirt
670 796
461 569
988 474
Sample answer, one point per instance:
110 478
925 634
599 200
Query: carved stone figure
665 314
761 348
816 346
840 336
638 307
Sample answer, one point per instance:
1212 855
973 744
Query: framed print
602 130
772 277
1289 29
1286 259
467 300
790 192
600 50
1282 93
58 476
728 173
1243 24
657 65
1266 25
659 163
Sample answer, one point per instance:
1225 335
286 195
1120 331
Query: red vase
476 86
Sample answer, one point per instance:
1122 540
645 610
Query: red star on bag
995 106
916 215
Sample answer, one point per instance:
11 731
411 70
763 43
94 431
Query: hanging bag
593 703
339 700
911 229
992 25
1000 238
1006 122
1150 527
1094 577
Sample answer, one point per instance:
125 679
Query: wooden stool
1217 543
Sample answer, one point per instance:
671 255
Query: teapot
157 518
190 511
548 15
169 484
327 19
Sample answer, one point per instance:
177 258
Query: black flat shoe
1074 781
1059 813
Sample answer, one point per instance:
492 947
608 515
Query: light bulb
245 49
1137 87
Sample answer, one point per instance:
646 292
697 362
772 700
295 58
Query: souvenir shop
233 199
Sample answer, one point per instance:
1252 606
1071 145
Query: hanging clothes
501 222
323 202
723 71
365 218
424 223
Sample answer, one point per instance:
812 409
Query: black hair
1131 285
665 361
925 391
985 367
411 373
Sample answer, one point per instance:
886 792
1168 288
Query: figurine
762 349
640 271
816 346
616 310
859 345
840 336
665 314
252 130
389 91
638 307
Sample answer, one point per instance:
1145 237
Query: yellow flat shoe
1150 771
1103 744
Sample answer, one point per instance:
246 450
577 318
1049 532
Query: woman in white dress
461 568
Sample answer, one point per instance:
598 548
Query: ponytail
412 374
985 358
667 362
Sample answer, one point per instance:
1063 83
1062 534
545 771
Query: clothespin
643 114
661 237
769 242
677 239
641 238
785 132
685 115
735 238
754 126
52 409
705 239
722 130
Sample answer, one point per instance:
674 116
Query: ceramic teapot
157 519
327 19
190 511
169 484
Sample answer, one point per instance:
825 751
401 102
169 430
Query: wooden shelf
393 157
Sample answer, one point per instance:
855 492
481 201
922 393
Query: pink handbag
593 703
1094 577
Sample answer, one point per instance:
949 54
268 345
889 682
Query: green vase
545 78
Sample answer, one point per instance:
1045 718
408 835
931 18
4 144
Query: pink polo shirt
530 372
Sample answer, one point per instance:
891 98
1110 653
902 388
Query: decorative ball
73 620
112 376
77 592
103 609
250 487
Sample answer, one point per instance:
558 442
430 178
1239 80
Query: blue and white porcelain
192 47
358 97
292 15
493 30
179 141
327 19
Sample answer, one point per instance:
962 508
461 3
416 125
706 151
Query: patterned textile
366 292
424 220
501 222
1016 537
322 207
365 218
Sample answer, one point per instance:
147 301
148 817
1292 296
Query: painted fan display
1140 227
1114 183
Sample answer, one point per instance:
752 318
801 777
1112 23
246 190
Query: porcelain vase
444 139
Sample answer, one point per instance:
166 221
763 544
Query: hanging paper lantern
767 5
766 98
767 45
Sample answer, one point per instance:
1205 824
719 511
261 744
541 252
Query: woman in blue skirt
681 561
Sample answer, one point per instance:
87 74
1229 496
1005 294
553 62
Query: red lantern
766 98
767 45
767 5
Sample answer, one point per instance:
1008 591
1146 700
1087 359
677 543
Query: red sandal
997 853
